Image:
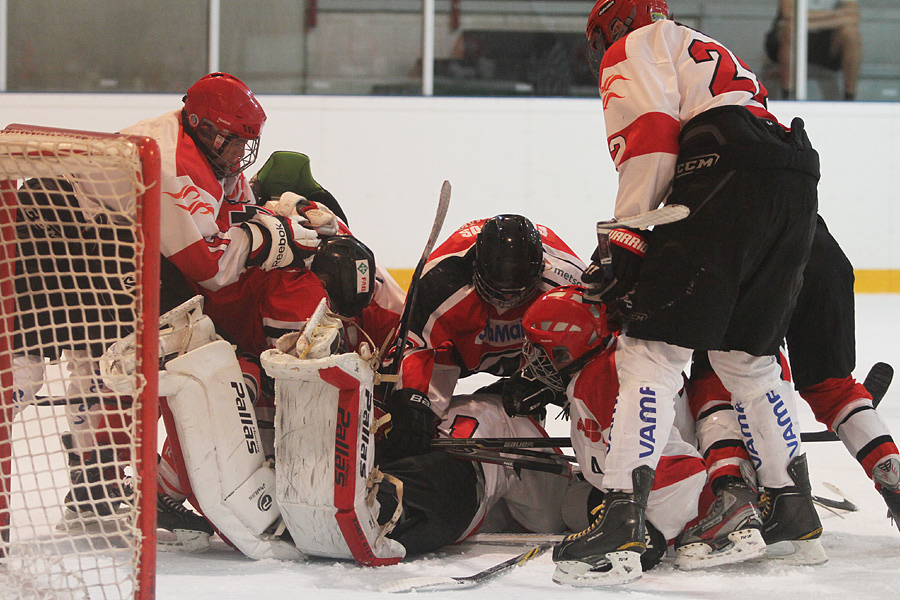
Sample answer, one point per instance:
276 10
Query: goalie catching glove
412 427
615 266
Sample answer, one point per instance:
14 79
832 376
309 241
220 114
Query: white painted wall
384 158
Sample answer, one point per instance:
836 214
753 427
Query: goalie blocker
323 438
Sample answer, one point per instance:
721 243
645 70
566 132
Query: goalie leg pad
182 329
323 438
220 442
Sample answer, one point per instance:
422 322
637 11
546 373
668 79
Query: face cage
214 145
539 366
500 298
251 148
596 50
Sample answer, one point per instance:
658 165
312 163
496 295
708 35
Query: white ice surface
863 547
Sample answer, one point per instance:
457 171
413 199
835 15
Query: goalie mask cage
79 269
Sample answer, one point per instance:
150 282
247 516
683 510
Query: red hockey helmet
226 120
610 20
564 326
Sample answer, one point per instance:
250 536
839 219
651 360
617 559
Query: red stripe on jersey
672 469
198 261
648 134
614 55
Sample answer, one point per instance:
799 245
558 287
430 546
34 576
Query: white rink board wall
384 158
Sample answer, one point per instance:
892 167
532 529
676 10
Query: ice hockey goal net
79 269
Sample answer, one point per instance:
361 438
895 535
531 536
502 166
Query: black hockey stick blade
523 442
876 383
844 504
819 436
432 584
662 215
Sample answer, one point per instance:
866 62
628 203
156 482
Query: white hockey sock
649 378
767 412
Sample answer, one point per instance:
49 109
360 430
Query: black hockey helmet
509 260
346 268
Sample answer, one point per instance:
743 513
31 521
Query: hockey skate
887 475
731 531
789 516
97 490
192 532
609 551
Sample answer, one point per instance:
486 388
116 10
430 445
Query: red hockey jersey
454 332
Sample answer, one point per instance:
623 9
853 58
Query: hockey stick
560 465
431 584
513 539
831 503
876 383
547 464
844 503
413 290
522 442
662 215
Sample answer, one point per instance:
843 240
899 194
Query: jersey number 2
727 76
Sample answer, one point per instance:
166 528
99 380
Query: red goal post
79 268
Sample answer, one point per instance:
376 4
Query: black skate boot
609 551
887 475
192 532
789 516
731 531
97 488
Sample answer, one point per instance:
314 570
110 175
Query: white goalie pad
324 452
223 456
182 329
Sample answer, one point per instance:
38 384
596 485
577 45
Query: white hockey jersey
652 82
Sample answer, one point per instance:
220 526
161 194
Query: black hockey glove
413 424
523 396
615 266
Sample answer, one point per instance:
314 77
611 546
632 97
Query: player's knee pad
220 443
325 449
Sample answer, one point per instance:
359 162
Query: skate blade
746 544
186 540
798 552
625 567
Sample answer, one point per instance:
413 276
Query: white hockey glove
278 242
312 215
